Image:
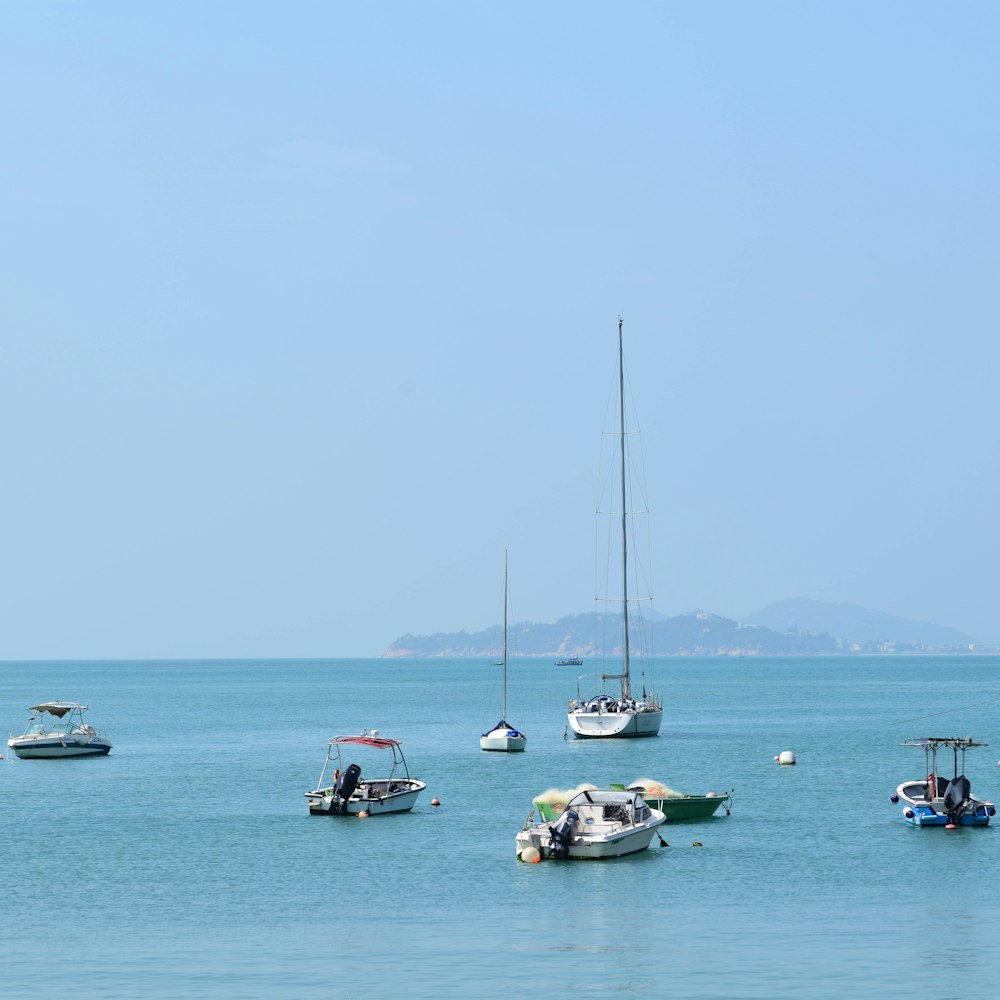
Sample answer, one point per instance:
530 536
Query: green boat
675 806
682 807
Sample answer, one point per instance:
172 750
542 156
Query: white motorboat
625 714
351 793
57 729
503 736
938 800
595 823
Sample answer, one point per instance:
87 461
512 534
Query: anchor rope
933 715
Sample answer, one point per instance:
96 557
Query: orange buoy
362 815
530 856
435 802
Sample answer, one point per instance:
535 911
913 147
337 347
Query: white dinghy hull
324 802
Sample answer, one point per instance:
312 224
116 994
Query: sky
308 312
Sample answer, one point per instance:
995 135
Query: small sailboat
503 736
595 823
604 715
938 800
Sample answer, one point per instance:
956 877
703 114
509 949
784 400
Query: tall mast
504 716
626 691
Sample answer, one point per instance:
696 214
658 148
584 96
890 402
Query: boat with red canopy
351 792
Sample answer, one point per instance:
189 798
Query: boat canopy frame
333 753
59 708
931 744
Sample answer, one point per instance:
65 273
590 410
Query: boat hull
686 807
614 725
51 748
502 741
591 849
918 811
322 802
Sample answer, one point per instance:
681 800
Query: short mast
626 690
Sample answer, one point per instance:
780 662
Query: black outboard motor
955 796
343 787
562 834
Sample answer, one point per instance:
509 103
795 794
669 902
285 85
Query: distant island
795 627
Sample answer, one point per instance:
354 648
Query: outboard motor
563 833
343 787
955 796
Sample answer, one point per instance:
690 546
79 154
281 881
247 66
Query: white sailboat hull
611 725
502 740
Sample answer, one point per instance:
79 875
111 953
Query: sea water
185 864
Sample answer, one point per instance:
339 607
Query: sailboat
626 714
503 736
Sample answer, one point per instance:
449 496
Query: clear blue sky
308 312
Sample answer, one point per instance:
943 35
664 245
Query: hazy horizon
310 314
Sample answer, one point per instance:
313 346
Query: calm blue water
185 863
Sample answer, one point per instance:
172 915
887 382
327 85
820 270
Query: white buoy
786 757
530 855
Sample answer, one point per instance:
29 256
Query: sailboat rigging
503 736
605 715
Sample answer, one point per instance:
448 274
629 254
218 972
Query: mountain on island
859 627
797 627
697 634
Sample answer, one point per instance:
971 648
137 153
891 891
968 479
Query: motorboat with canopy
594 824
57 729
350 793
937 800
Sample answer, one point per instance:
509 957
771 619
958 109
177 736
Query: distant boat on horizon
571 661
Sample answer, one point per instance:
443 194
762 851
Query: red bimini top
367 741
